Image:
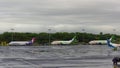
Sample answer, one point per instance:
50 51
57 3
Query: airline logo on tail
33 39
31 42
73 38
110 44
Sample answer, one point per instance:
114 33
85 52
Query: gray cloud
60 15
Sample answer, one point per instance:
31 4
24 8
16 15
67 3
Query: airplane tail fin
31 42
73 38
109 43
111 38
33 39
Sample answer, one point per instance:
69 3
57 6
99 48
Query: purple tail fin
33 39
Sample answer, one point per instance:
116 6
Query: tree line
44 38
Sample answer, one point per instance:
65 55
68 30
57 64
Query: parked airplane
100 42
22 42
63 42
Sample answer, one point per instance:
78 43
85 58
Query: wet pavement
76 56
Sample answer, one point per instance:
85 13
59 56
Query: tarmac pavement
55 57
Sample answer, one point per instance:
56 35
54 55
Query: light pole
12 33
49 35
114 31
83 30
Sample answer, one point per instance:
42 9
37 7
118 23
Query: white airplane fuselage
62 42
95 42
19 43
22 42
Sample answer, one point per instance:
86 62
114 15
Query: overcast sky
94 16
